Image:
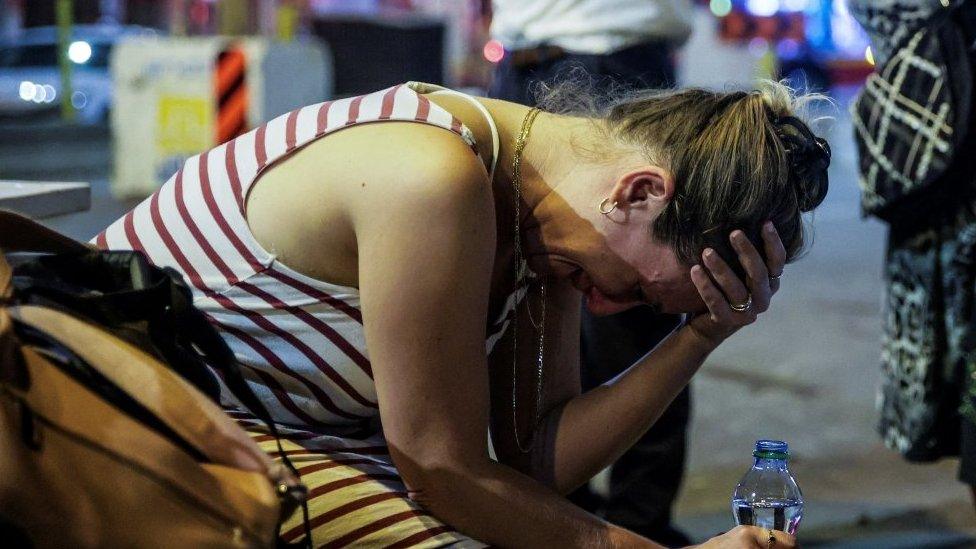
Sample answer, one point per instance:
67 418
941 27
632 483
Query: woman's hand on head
723 288
751 537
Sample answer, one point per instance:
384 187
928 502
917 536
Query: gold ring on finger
771 540
743 307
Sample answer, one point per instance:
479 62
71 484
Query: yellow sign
288 19
183 125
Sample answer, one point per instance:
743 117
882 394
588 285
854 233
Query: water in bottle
767 496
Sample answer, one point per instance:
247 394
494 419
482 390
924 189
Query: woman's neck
550 157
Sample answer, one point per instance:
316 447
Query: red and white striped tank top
300 340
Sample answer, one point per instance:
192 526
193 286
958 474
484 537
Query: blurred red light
494 51
200 14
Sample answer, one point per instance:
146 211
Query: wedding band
771 277
743 307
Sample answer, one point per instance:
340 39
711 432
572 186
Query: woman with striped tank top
397 291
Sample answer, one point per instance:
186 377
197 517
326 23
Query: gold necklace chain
523 136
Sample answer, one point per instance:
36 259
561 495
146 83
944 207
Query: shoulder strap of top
423 87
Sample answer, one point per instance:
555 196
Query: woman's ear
646 184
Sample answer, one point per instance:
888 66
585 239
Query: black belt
532 57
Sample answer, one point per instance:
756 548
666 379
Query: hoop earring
603 206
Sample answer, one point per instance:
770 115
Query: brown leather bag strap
22 234
6 287
12 368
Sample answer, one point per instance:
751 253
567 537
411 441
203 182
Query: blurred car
30 78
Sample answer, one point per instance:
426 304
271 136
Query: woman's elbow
434 480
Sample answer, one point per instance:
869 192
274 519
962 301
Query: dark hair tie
808 157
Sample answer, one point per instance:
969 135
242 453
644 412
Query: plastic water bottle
767 496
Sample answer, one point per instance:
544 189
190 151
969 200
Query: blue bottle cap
771 449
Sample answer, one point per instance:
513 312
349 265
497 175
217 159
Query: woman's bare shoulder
392 165
398 178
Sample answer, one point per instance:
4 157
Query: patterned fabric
889 22
356 497
928 355
929 337
907 118
300 340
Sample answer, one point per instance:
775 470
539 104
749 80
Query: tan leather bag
76 471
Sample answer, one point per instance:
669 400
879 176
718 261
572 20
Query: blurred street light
79 52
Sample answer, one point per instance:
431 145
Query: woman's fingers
754 536
730 284
718 307
756 271
775 254
721 289
782 539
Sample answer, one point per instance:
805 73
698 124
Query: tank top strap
425 88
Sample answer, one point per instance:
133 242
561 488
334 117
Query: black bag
147 306
912 118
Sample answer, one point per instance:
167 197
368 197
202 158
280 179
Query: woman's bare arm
581 434
426 235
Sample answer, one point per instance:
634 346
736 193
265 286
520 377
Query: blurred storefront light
758 46
845 32
795 5
763 8
788 48
494 51
720 8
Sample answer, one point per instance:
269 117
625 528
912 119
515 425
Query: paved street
806 373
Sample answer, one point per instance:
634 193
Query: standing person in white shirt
629 43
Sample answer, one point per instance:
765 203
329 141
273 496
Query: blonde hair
738 158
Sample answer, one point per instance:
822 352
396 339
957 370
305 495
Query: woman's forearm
592 430
494 503
497 504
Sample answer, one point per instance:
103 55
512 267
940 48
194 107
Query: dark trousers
647 65
645 480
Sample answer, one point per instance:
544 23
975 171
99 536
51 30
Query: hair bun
808 157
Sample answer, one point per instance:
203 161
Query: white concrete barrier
176 97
